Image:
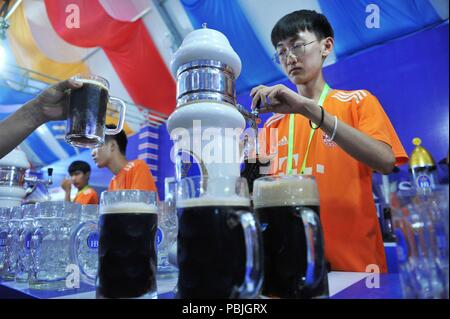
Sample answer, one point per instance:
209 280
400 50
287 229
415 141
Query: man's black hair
302 20
120 138
79 166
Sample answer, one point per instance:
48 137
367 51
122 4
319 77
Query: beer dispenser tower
206 68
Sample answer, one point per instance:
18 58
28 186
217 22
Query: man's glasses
297 50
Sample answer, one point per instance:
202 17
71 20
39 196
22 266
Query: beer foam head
285 191
128 208
92 81
209 200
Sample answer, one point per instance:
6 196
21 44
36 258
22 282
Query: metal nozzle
253 120
35 180
50 177
251 117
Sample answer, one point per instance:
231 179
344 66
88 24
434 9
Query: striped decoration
148 148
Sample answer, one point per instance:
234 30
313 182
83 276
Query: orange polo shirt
351 228
135 175
86 196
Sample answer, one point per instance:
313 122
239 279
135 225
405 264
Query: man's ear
112 146
327 46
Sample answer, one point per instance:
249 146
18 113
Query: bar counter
342 285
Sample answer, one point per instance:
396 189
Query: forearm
67 196
360 146
18 126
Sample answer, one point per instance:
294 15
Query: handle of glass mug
315 261
252 284
122 111
35 244
74 255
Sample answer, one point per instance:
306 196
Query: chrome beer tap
253 120
34 182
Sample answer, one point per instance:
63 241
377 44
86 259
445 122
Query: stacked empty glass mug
49 245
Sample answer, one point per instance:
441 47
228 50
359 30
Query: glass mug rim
290 192
29 210
438 189
16 213
209 177
122 196
88 209
125 192
200 183
52 208
94 77
285 177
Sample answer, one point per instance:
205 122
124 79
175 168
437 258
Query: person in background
80 172
338 136
133 174
49 105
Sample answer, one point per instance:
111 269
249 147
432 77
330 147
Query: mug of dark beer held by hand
87 112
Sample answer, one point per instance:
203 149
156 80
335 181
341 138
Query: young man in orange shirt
80 172
337 136
127 174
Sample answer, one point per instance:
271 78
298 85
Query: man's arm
66 185
17 127
373 153
49 105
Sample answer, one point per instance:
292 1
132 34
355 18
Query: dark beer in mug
211 247
87 112
127 252
282 206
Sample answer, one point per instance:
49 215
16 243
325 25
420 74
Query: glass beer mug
294 258
12 243
65 238
26 232
5 215
84 244
87 112
127 249
219 240
47 271
421 228
166 237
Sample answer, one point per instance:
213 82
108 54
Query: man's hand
278 99
52 103
66 185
